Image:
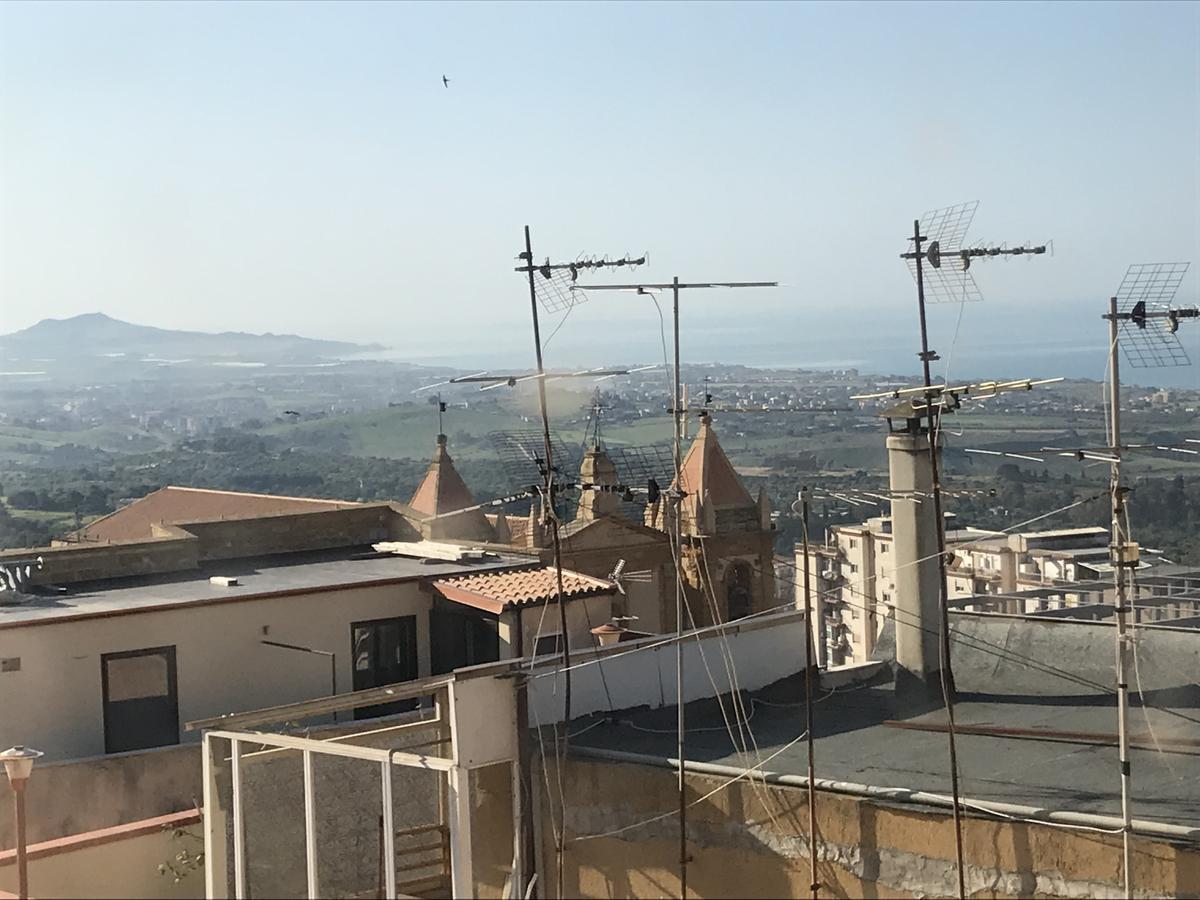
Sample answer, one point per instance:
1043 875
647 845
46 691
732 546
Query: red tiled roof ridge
494 591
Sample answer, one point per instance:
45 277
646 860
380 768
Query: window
884 548
140 697
384 652
853 544
738 592
853 569
548 645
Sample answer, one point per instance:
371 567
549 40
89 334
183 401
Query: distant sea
988 342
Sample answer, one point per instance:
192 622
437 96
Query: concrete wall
54 702
69 563
767 649
179 547
77 796
264 535
752 841
115 862
582 616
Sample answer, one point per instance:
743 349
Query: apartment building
854 575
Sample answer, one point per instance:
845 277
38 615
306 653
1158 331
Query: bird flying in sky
445 81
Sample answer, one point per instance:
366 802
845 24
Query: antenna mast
937 239
679 423
557 296
1140 312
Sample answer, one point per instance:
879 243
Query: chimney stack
914 537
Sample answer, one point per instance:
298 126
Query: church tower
441 493
728 537
598 469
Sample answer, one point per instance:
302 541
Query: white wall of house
54 702
582 616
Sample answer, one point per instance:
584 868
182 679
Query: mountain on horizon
97 334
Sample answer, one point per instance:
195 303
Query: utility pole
679 422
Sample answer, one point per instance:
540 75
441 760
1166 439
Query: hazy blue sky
299 167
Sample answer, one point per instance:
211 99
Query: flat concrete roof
264 577
1042 677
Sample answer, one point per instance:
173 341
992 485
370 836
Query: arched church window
738 592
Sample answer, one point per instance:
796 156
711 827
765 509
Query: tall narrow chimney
914 542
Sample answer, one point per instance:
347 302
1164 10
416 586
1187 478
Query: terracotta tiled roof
442 490
171 505
495 591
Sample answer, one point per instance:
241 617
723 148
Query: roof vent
223 581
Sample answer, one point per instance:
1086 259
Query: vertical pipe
18 786
680 413
210 817
939 530
557 543
1118 540
523 796
389 831
809 670
462 882
310 829
333 681
239 824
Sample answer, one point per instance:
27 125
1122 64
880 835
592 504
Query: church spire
715 499
442 490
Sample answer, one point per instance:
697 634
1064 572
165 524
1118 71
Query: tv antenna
441 408
679 421
552 286
1141 319
490 381
937 255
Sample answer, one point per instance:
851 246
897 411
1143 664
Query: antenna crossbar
977 389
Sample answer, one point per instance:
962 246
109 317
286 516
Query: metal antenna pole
1118 558
939 530
679 421
1141 310
557 544
677 408
814 883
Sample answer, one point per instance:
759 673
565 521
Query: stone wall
67 563
266 535
751 840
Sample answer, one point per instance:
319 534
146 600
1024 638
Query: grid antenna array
555 283
638 465
1150 341
945 228
947 263
522 455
